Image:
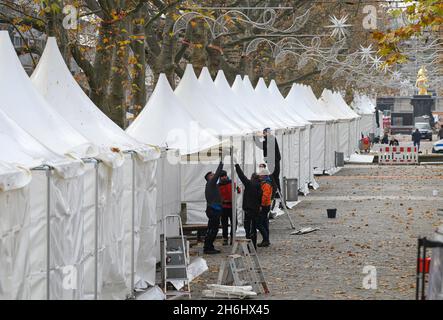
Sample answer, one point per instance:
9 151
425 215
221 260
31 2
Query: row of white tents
82 201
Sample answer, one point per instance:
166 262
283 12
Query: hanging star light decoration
366 53
376 63
339 27
396 75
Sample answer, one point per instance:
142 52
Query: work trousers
213 225
226 219
263 223
250 226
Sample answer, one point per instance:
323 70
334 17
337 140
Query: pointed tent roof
54 81
201 106
317 105
363 104
237 105
341 103
164 121
331 104
23 104
247 105
284 109
222 99
298 98
264 103
27 152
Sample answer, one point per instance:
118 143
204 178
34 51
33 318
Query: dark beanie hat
207 174
223 173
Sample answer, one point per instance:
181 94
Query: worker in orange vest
263 216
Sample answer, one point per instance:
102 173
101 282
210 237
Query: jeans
226 218
213 225
417 144
263 223
250 226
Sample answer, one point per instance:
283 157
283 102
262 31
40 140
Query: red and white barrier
397 155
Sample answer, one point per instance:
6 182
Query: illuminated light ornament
339 27
376 63
396 76
366 53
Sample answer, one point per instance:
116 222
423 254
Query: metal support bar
48 170
96 163
132 293
234 194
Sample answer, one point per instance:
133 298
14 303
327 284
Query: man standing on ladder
272 157
213 209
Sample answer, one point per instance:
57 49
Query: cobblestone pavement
381 210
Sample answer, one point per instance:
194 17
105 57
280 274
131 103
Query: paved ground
381 212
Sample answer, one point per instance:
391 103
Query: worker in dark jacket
271 154
440 133
225 187
251 203
416 138
213 209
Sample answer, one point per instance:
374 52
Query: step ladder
174 259
242 267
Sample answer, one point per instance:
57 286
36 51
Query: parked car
425 130
438 147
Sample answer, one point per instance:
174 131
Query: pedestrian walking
416 138
252 198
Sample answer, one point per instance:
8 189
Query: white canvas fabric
306 171
302 101
24 105
247 104
166 122
202 107
223 101
236 104
366 109
272 107
53 79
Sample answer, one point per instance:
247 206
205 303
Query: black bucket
331 213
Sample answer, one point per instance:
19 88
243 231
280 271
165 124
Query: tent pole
48 234
48 171
233 194
299 157
326 148
96 163
131 295
96 233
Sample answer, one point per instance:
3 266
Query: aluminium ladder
174 259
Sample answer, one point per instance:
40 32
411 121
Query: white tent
322 143
247 104
127 188
363 105
289 138
306 176
235 102
348 131
165 121
344 133
223 101
22 153
25 106
203 107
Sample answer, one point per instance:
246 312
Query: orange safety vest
266 198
